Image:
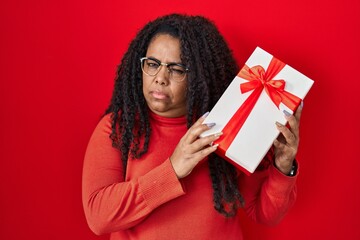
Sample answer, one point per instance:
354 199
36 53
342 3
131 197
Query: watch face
293 170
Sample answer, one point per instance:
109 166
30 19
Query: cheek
145 83
180 93
184 92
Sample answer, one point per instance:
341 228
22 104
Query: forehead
164 46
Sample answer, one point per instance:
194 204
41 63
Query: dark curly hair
212 67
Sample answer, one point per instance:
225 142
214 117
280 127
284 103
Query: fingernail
217 135
302 104
278 124
205 115
287 114
210 125
215 146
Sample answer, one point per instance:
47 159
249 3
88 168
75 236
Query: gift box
247 111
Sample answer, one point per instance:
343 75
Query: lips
158 95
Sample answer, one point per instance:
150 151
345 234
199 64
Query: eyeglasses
152 66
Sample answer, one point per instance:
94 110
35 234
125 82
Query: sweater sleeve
112 204
268 194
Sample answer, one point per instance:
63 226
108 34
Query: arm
268 194
110 203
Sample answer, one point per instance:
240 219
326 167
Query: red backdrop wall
57 65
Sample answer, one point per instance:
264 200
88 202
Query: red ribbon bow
258 80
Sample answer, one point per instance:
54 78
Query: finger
194 132
281 138
278 145
299 111
197 128
197 124
293 122
289 136
201 143
201 119
198 156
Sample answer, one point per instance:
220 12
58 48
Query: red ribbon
258 79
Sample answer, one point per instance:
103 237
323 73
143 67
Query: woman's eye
178 71
152 64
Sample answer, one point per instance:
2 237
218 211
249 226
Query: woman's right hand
191 149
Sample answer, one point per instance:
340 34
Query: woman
147 174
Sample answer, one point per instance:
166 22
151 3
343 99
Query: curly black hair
212 68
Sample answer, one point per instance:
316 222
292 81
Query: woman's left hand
286 145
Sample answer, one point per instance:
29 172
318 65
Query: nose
163 76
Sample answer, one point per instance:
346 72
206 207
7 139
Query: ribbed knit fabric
151 203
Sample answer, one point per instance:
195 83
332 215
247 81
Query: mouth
158 95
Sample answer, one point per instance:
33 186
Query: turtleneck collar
166 121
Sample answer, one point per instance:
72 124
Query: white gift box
252 141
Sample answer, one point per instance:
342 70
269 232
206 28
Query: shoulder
104 126
105 122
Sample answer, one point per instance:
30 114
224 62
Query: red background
58 61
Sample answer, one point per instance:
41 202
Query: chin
158 109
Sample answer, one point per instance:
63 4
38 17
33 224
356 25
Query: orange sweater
151 203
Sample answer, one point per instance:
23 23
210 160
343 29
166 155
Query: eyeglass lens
153 66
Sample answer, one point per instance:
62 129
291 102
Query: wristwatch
293 169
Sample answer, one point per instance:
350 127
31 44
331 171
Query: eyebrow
166 62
